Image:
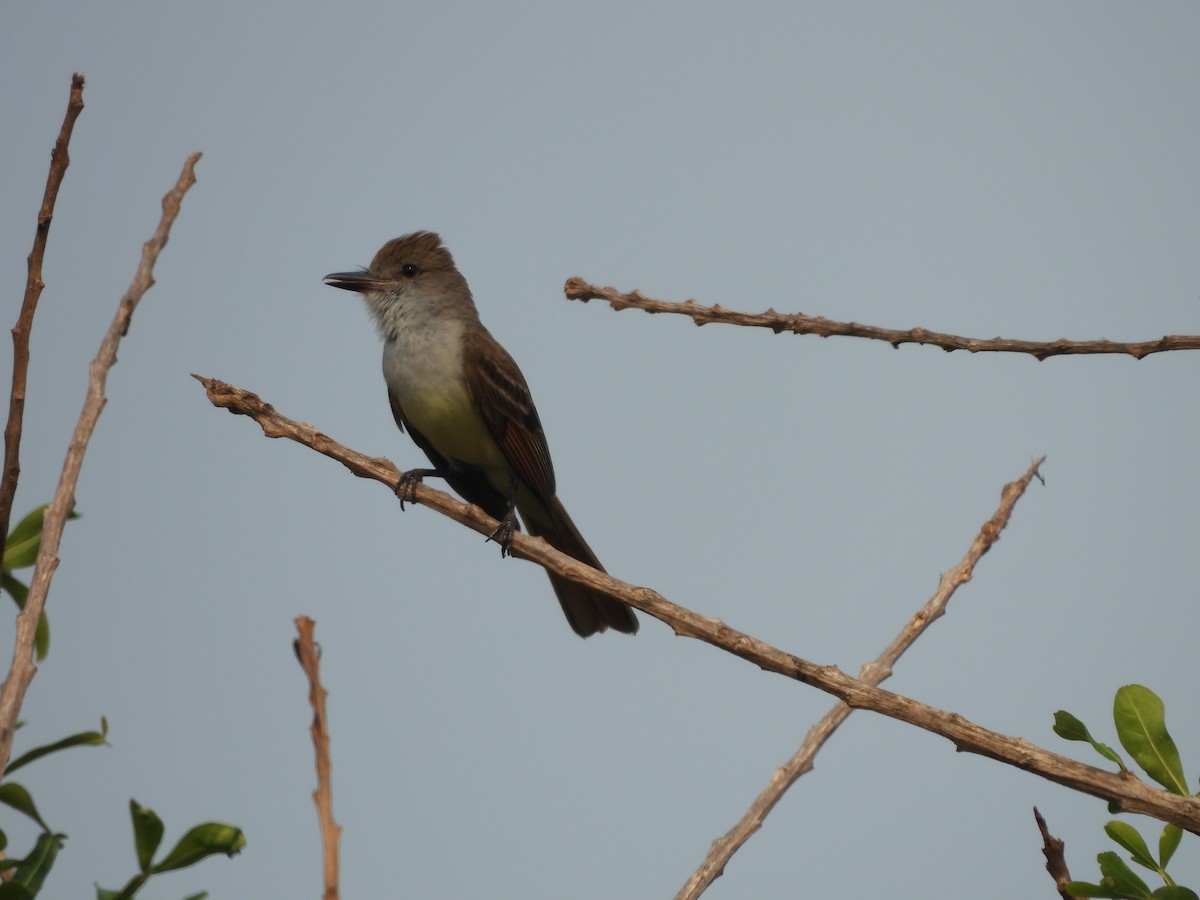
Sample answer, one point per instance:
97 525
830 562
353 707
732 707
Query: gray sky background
1020 169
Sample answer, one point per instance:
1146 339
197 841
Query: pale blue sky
1019 169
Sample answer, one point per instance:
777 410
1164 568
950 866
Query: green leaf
15 587
1174 892
1069 727
11 890
12 794
147 833
127 892
1127 836
82 739
41 638
1141 726
1168 842
134 885
203 840
37 865
20 551
200 896
21 548
1120 878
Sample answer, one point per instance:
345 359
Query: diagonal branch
798 323
21 673
1125 791
59 160
872 673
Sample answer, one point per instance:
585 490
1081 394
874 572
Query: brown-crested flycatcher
463 401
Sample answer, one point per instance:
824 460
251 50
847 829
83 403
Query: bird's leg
503 534
406 487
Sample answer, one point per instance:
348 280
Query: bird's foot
406 487
503 534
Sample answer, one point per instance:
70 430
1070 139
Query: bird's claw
406 487
503 534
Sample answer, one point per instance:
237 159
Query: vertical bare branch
59 160
22 669
873 673
1056 863
331 832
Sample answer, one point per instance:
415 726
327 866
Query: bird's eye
409 270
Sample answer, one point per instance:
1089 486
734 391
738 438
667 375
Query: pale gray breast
423 358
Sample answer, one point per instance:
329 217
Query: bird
463 400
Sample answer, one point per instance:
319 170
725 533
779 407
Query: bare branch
331 832
798 323
59 160
1125 791
22 669
873 673
1056 862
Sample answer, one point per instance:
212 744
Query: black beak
355 281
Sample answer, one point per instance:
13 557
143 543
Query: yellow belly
448 419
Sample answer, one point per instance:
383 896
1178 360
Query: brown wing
500 393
